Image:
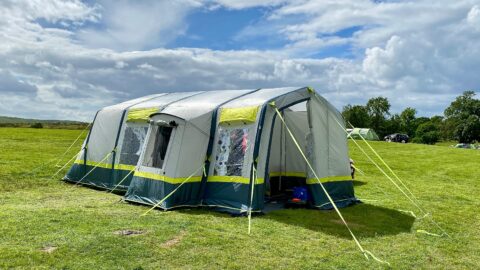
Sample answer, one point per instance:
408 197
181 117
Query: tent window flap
140 115
243 115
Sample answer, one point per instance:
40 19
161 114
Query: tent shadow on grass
365 220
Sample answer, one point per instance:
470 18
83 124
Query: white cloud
52 10
473 17
136 25
236 4
418 54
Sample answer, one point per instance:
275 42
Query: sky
67 59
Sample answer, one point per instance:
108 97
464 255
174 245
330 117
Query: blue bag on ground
300 193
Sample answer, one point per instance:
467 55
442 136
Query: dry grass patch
129 232
174 241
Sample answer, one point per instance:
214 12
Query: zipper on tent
116 144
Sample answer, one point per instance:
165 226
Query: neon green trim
291 174
106 165
125 167
140 114
238 115
233 179
312 181
164 178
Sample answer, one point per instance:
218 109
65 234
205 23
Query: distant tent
465 146
366 133
155 147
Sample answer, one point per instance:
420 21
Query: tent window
155 156
132 144
231 149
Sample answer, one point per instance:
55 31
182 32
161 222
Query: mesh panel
132 144
233 144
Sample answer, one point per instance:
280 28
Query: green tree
468 131
378 109
448 129
418 121
427 133
407 118
357 115
463 106
36 125
393 125
463 114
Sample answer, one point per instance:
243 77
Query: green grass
446 143
37 212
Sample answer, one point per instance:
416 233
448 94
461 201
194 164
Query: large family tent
366 133
229 150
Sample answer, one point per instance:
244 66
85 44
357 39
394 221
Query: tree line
461 120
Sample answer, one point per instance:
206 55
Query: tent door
287 168
158 147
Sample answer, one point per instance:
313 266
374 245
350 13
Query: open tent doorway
287 170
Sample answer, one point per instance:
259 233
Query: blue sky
67 59
218 29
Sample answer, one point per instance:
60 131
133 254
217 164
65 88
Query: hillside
17 120
7 121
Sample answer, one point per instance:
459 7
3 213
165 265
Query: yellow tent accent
164 178
312 181
243 115
141 114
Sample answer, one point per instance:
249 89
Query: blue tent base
118 191
99 178
268 207
188 196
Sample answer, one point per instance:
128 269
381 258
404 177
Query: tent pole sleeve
253 182
120 125
86 144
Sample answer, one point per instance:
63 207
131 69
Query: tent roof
188 105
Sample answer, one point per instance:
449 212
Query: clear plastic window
157 150
231 149
132 144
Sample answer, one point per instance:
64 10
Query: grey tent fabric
208 145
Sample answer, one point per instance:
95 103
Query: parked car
397 137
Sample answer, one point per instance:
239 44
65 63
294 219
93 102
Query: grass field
48 224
